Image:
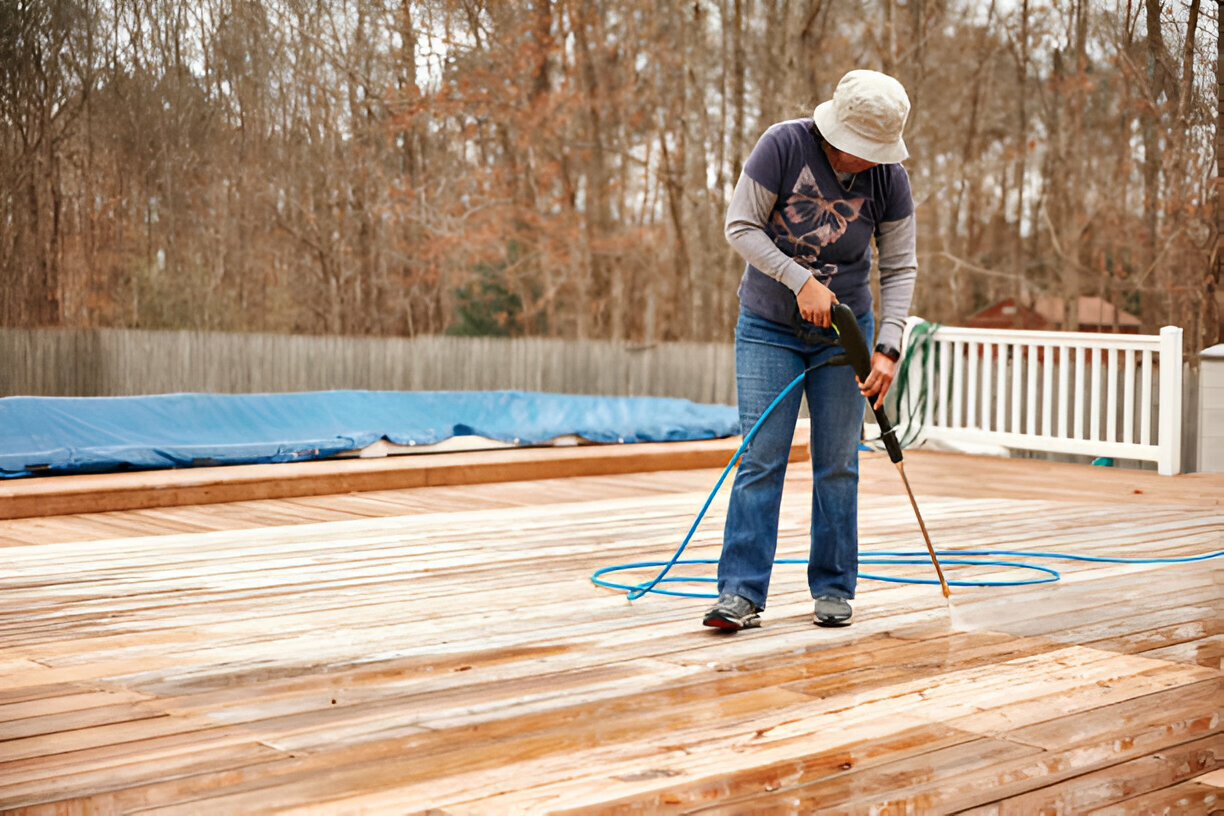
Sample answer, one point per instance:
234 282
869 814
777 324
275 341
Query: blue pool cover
57 435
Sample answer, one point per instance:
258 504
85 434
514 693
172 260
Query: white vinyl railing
1100 395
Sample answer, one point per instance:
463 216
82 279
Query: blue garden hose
887 557
981 558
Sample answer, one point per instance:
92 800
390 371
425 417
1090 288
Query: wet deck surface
443 648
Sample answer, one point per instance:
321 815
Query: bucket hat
865 117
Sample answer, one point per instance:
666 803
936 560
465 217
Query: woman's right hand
816 303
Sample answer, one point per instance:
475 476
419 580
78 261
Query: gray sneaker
832 611
732 613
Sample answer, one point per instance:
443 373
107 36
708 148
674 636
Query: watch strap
891 352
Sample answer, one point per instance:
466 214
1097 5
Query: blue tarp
45 435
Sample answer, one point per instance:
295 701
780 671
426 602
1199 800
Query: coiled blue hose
885 557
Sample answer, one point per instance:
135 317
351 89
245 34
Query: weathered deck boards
87 492
441 648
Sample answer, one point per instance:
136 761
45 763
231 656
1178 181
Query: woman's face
845 162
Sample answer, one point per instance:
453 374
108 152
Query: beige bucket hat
865 117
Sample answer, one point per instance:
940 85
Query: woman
812 195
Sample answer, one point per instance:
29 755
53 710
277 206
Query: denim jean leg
836 407
766 361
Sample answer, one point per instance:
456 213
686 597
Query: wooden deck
441 649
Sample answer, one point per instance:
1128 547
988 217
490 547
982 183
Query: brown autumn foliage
561 167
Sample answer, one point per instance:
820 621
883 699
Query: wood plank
1177 714
1206 651
1116 787
844 792
1185 626
57 495
61 703
1213 778
84 786
682 793
1182 799
1090 739
948 781
281 512
941 473
46 724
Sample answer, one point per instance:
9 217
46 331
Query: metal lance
850 338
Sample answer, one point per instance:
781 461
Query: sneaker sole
728 625
832 623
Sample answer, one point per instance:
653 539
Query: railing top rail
1050 338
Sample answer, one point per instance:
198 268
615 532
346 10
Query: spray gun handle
851 339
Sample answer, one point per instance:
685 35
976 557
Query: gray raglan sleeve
896 247
747 216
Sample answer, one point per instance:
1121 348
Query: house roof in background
1048 310
1093 311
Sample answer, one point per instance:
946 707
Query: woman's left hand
880 378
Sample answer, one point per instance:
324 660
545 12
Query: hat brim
847 141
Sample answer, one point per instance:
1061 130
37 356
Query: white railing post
1064 368
1169 439
1030 405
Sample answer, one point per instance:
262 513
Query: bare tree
46 72
562 168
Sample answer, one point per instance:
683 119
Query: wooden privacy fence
120 362
1075 393
1101 395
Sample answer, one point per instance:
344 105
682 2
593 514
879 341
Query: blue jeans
768 356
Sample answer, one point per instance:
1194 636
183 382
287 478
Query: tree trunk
1020 169
1151 133
596 306
1213 294
1073 195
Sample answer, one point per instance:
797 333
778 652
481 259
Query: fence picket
1128 396
1017 403
1047 379
1064 367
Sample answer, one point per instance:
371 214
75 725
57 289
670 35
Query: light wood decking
441 649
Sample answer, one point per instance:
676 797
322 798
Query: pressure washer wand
850 337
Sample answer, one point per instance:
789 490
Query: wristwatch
891 352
